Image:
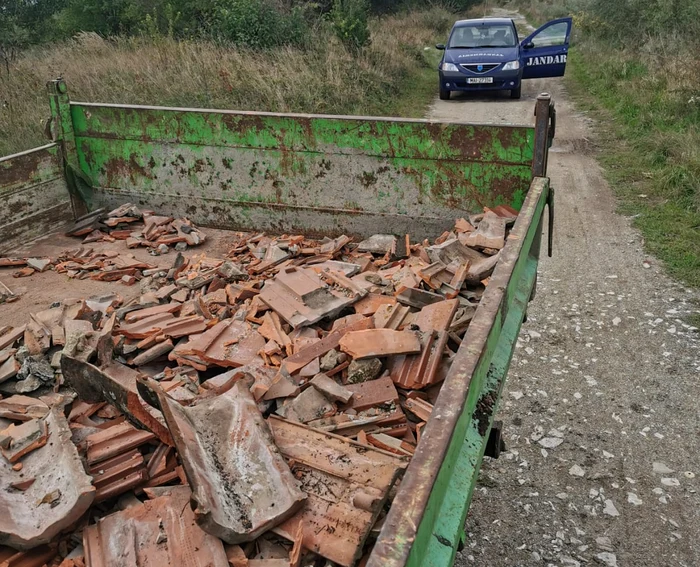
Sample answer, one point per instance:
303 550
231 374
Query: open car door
544 51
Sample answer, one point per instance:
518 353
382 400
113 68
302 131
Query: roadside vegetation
331 56
635 66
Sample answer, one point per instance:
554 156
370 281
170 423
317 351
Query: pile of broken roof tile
268 401
128 223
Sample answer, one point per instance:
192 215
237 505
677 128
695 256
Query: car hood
482 55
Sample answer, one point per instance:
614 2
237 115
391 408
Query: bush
106 17
458 5
260 24
253 23
351 22
626 19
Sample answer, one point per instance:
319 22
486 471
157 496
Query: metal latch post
550 207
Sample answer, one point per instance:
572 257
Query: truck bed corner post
544 111
79 185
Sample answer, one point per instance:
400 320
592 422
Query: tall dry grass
325 78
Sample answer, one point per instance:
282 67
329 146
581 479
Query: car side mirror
440 46
528 45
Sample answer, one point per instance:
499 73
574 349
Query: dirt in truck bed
267 390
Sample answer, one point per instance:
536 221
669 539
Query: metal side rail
426 522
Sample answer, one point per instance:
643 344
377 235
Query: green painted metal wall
426 521
289 173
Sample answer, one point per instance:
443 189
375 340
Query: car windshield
482 35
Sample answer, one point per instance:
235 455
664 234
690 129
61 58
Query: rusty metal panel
316 174
34 198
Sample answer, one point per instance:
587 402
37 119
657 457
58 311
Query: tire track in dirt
604 384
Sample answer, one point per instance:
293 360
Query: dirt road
601 409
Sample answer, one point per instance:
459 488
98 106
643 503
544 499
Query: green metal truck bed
322 175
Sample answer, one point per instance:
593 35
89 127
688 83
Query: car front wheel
445 94
515 93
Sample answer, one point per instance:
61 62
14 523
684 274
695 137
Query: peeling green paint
302 133
388 166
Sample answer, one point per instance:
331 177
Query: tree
350 20
25 22
13 38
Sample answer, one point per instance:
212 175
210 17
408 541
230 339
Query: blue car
486 55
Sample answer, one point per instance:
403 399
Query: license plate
473 80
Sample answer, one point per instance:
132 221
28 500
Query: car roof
476 21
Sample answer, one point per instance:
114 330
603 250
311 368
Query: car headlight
511 66
451 67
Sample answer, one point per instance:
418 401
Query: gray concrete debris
38 367
332 359
39 264
364 370
604 543
633 499
331 389
550 442
231 272
378 244
607 558
577 470
311 404
610 509
661 468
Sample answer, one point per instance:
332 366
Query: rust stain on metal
484 409
120 166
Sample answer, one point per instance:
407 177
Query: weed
391 76
351 22
694 321
635 68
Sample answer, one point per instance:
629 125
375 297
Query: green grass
650 152
645 96
694 321
415 93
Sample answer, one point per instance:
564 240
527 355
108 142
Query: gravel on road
601 408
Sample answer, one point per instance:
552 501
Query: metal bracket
550 234
545 124
61 130
461 544
495 444
552 122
